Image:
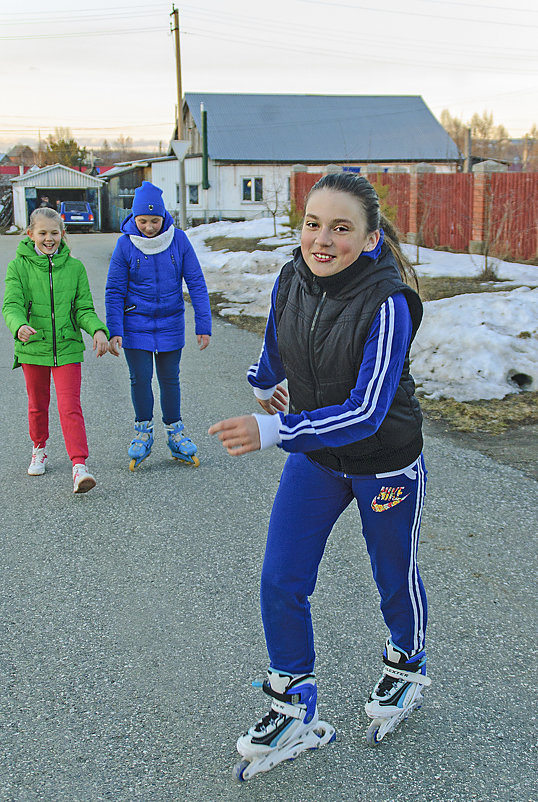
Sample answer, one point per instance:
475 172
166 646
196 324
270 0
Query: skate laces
386 684
269 720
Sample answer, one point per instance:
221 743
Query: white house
254 141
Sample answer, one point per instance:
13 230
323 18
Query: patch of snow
467 265
472 346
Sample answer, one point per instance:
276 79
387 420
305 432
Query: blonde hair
45 211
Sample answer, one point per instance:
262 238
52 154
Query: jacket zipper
311 345
29 310
52 313
175 266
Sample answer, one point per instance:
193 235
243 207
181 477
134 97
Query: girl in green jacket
46 304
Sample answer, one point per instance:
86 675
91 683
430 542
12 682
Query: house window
252 189
193 194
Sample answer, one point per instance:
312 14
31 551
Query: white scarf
151 245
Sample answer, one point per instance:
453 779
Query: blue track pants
309 500
141 372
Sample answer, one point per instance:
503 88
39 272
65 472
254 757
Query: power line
510 9
78 13
421 14
381 57
81 34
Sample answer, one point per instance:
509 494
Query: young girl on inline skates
339 330
146 316
47 302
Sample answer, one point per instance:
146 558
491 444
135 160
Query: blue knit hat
148 199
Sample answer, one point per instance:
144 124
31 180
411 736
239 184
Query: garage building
50 186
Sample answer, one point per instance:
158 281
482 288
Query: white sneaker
82 480
39 460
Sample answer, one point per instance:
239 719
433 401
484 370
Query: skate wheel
132 464
239 768
195 462
371 734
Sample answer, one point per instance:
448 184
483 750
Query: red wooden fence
513 215
437 209
445 210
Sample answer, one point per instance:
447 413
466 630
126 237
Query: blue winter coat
144 292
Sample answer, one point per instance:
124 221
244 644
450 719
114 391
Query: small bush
295 218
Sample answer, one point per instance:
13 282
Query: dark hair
361 189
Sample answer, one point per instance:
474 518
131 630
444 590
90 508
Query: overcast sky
107 68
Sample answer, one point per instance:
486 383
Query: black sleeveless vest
322 326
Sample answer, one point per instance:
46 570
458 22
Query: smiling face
334 232
149 225
47 233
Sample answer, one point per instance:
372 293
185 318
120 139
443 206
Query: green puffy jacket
53 298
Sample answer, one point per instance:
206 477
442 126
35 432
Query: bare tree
63 148
275 195
455 128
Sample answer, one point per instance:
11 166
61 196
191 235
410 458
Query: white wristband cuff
264 395
269 428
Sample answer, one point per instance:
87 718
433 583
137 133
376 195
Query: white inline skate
291 726
181 447
397 693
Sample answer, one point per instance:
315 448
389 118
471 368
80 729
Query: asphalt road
130 629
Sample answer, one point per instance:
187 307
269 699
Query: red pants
67 384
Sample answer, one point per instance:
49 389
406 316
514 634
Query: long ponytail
407 271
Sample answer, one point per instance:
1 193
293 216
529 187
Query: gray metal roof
321 128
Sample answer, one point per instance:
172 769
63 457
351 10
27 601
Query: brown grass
248 244
488 417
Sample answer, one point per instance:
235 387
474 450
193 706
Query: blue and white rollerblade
181 447
141 443
397 693
291 726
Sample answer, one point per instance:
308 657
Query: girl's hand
24 333
203 340
114 345
278 401
238 435
100 343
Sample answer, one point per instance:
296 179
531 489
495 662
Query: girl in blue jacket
146 316
340 326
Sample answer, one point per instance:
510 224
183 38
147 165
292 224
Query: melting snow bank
478 346
468 265
244 279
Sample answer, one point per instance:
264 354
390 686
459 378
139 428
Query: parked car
77 213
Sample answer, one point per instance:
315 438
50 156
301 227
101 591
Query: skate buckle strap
294 704
407 676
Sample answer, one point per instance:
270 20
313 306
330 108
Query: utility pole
179 120
468 163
